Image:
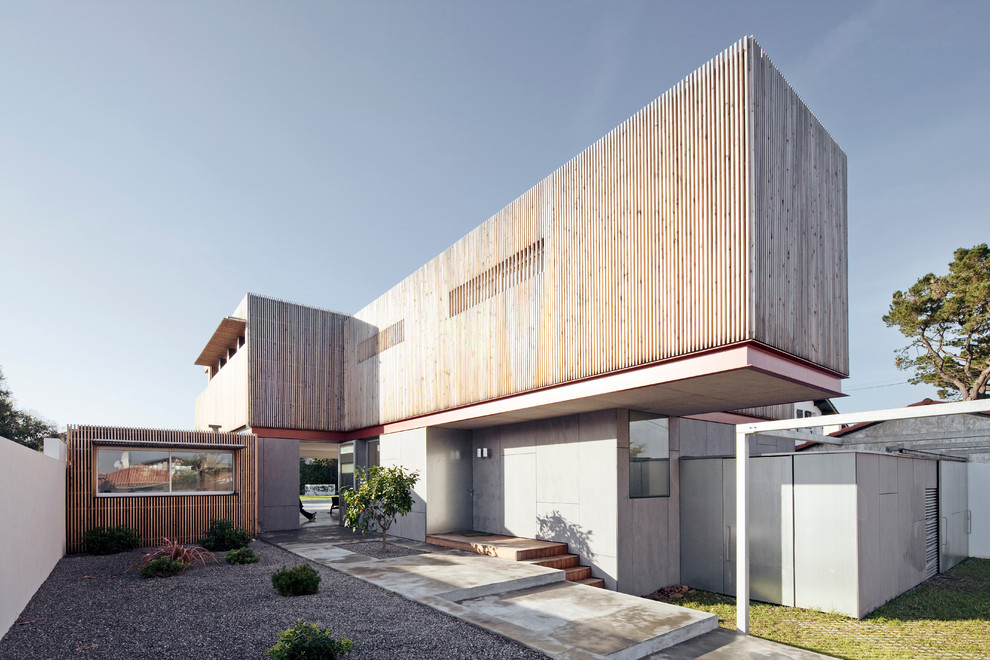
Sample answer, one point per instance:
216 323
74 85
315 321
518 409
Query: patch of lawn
946 617
316 498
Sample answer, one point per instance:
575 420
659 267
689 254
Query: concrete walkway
530 604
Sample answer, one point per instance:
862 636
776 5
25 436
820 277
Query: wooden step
550 554
578 573
592 582
496 545
557 561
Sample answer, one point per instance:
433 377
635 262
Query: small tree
947 319
383 494
19 426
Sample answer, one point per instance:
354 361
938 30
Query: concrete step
592 581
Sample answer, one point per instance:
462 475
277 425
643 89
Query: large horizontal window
649 455
150 472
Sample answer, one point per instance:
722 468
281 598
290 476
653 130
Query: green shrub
296 581
241 556
110 540
222 535
308 640
163 567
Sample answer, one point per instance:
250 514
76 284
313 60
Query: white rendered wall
32 489
979 505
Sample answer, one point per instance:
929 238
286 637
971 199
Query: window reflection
125 471
649 455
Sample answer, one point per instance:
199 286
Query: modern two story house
546 373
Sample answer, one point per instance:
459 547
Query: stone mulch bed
90 608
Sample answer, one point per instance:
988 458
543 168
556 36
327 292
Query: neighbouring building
547 373
960 436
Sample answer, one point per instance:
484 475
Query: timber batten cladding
714 217
297 370
799 188
182 518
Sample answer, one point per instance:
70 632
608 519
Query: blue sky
159 160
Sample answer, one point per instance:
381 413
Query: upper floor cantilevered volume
692 260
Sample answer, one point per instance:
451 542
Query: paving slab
722 644
522 616
605 623
531 604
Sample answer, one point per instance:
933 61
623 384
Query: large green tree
947 319
20 426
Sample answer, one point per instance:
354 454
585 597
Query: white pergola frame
786 428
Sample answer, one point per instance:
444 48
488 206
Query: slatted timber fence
155 516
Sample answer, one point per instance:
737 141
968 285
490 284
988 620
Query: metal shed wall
841 531
954 515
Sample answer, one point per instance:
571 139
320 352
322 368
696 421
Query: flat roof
225 336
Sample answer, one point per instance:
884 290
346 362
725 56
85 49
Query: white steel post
742 532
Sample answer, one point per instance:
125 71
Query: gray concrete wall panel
278 484
598 473
552 479
649 547
450 477
520 492
489 509
703 532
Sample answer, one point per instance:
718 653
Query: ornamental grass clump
163 567
307 640
299 580
241 556
110 540
222 535
186 554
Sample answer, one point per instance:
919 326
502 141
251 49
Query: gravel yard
90 608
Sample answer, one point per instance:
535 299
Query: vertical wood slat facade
297 365
799 177
715 215
178 517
